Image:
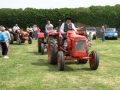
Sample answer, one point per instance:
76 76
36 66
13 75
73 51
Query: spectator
3 41
103 33
31 32
35 31
90 36
38 30
27 29
7 34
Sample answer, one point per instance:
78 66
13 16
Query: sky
51 4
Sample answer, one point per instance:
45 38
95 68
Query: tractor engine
76 44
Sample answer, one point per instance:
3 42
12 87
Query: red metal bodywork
40 35
71 53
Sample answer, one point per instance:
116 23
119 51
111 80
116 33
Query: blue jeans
35 34
103 37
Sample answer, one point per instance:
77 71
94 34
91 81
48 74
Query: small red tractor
20 37
73 48
41 43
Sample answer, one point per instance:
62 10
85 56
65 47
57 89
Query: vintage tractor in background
75 47
20 37
41 43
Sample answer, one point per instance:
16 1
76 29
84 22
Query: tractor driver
68 25
15 28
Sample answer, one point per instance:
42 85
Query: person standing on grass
48 26
35 31
31 31
103 33
3 41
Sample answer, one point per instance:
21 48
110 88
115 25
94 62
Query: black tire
52 50
42 48
18 41
39 45
81 61
30 40
94 60
60 61
12 38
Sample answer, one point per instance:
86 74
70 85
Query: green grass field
26 69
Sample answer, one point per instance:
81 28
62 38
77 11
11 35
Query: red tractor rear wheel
94 60
52 50
39 44
60 60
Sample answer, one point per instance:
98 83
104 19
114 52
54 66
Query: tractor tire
60 61
94 60
52 50
18 41
12 38
30 40
42 48
39 45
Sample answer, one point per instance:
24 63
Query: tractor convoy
74 47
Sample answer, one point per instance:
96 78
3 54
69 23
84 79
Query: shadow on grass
37 53
44 62
17 44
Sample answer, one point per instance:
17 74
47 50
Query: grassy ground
29 70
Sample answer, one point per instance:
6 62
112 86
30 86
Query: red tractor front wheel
42 48
94 60
60 61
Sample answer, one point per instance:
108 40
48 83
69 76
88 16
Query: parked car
93 32
111 33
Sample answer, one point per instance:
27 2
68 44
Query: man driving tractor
68 25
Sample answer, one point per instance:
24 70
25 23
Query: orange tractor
75 47
20 37
41 43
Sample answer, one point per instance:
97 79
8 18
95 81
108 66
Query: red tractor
41 44
73 48
20 37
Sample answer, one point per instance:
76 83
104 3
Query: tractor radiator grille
79 45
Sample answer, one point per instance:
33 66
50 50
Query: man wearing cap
68 25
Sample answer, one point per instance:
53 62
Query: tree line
93 15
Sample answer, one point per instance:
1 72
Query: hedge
94 15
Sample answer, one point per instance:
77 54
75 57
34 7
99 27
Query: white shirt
31 29
15 28
48 27
34 28
7 34
62 28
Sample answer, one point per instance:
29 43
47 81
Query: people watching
35 31
31 32
3 41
